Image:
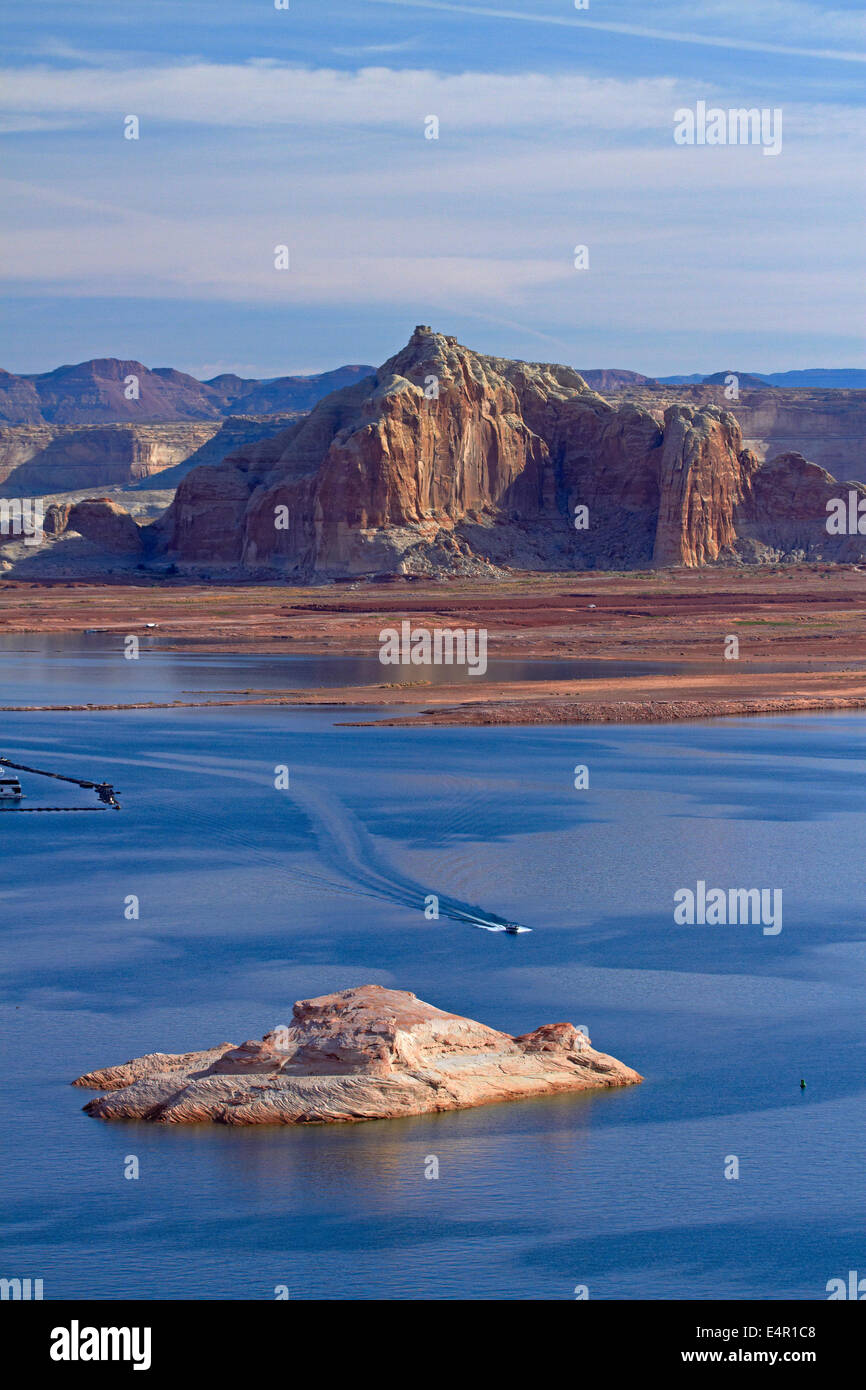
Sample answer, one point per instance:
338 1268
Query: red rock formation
448 461
703 473
56 518
363 1054
101 521
775 516
825 425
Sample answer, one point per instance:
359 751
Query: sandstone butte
363 1054
446 462
449 462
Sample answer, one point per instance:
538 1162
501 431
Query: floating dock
104 790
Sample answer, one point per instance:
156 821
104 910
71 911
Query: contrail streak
637 31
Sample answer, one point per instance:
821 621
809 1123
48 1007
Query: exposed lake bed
591 647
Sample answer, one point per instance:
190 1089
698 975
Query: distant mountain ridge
825 378
109 390
614 379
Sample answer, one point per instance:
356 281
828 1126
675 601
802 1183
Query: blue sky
305 127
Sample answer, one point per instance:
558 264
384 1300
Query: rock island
362 1054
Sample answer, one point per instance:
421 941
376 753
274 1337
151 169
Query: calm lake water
80 669
624 1192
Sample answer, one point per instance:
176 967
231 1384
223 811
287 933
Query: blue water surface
625 1191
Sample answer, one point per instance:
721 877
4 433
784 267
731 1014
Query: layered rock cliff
826 426
42 460
447 461
363 1054
38 460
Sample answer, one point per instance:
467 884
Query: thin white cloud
261 95
27 125
237 158
366 50
579 20
258 94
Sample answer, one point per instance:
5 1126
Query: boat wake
352 863
351 851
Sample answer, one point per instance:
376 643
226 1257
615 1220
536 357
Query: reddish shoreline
620 712
789 619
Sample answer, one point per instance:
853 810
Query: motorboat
10 789
493 922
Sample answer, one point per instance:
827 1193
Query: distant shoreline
502 713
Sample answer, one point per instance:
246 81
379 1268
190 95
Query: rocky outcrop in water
363 1054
